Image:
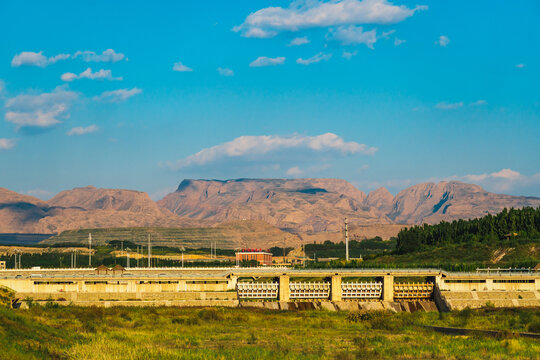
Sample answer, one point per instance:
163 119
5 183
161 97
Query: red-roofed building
261 256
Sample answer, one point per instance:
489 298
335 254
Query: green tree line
518 224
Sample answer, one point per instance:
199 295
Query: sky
140 95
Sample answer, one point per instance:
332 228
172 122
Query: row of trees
514 223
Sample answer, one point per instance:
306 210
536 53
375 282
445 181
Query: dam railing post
284 290
388 288
335 289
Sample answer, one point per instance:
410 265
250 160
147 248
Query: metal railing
309 290
361 290
254 290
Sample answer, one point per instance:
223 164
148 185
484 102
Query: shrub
363 315
210 315
534 327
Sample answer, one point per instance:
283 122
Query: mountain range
306 206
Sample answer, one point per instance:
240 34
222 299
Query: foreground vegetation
182 333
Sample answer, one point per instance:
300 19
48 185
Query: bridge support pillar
388 288
335 288
231 283
284 290
489 284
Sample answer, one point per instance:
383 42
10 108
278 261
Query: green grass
219 333
188 237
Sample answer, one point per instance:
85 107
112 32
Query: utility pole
182 249
90 250
75 259
138 255
346 239
149 252
127 257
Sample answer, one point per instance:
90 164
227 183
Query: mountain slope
310 205
83 208
91 198
431 203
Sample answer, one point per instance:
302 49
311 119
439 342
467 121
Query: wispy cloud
520 66
267 61
443 41
299 41
40 193
478 103
42 110
30 58
82 130
178 66
117 95
449 106
502 180
349 54
6 144
225 71
88 74
353 35
294 171
270 21
398 42
108 55
314 59
272 149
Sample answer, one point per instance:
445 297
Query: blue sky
140 95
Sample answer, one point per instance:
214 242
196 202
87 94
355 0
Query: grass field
51 332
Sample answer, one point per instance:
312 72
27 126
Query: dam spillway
247 286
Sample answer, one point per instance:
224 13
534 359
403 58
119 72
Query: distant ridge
315 205
301 206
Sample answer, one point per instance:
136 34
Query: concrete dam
276 288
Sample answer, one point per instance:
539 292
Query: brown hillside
300 204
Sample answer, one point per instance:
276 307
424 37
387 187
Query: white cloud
30 58
117 95
2 86
449 106
108 55
299 41
82 130
314 59
225 71
40 193
353 35
268 22
267 148
178 66
398 42
267 61
349 54
160 193
443 41
520 66
88 74
503 180
39 110
294 171
6 144
478 103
